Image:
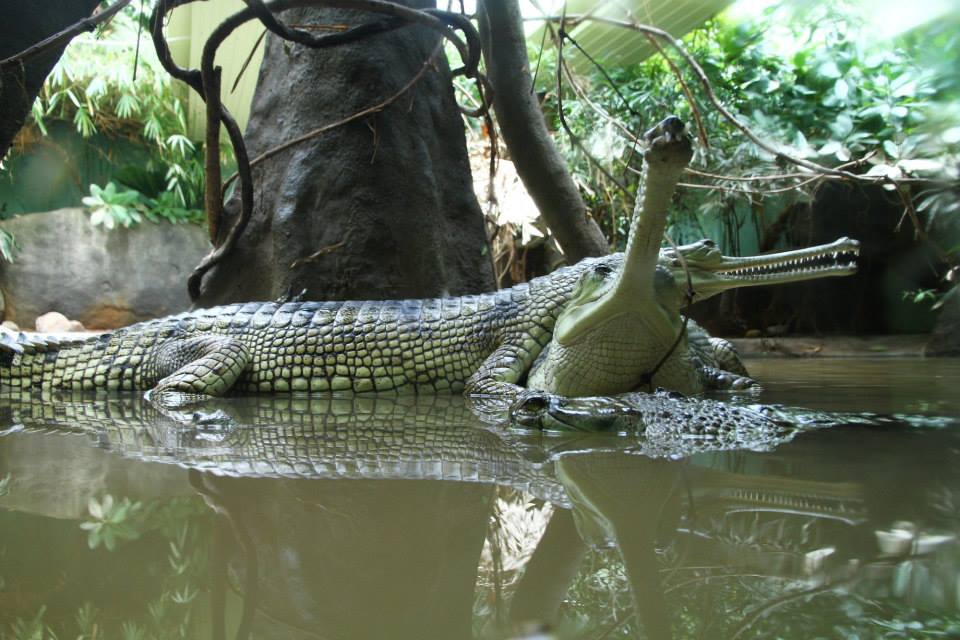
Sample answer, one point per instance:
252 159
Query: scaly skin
624 331
319 437
470 342
366 437
482 344
614 331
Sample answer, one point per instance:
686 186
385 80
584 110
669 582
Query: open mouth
837 258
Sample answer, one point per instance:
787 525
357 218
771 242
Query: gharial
603 344
481 344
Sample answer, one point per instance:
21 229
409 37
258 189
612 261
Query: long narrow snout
835 259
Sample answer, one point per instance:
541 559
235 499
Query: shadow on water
407 517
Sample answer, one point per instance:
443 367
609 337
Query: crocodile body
433 344
481 344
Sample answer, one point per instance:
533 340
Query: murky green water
409 518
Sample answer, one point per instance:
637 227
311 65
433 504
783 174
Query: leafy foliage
801 75
178 526
109 207
8 245
96 87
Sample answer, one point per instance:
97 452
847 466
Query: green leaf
842 126
127 106
891 149
921 165
95 508
881 110
8 245
829 69
829 148
841 89
84 123
73 97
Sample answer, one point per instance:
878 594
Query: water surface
408 517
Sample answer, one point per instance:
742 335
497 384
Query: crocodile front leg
193 368
501 373
719 366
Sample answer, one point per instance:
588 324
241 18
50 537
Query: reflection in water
407 518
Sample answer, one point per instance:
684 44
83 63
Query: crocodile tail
13 343
28 348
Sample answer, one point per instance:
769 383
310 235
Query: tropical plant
108 85
110 208
803 77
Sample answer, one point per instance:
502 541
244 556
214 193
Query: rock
945 338
104 279
55 322
753 333
11 325
778 330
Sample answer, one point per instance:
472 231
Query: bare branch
248 59
60 38
539 164
574 138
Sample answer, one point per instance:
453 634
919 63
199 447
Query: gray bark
392 193
25 24
539 164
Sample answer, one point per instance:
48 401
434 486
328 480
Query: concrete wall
104 279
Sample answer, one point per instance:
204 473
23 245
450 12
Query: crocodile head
705 271
711 272
691 273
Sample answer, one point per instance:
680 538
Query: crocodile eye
602 270
675 262
709 243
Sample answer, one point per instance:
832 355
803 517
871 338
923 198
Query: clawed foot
720 380
733 382
173 400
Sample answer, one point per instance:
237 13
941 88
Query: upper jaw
834 259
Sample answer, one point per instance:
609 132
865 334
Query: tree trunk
25 24
539 165
381 207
